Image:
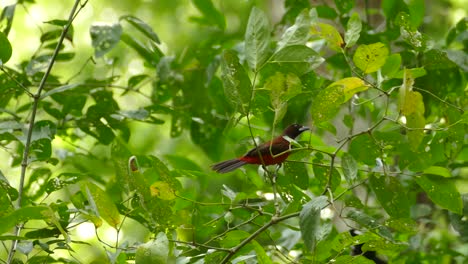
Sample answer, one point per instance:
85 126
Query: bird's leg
273 176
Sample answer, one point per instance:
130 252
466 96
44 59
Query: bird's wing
275 147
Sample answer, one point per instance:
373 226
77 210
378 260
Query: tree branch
27 146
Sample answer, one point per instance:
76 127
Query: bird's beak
304 128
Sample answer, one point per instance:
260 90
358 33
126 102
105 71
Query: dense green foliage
107 152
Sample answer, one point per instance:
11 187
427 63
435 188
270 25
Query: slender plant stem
36 97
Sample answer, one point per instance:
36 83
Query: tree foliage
90 143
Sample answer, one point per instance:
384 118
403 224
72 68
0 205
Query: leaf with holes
370 58
104 37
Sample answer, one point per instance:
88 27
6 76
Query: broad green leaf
283 87
415 122
392 65
364 149
210 13
353 30
437 170
329 100
391 195
298 174
60 89
344 5
403 225
297 58
322 174
151 55
6 206
327 103
347 259
350 168
330 34
25 214
298 34
370 58
309 221
262 256
257 39
233 238
5 49
153 252
8 14
142 27
442 191
416 10
104 37
415 73
237 86
101 203
370 223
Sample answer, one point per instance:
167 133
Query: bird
275 151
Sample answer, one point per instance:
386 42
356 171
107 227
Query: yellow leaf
351 86
162 190
370 58
330 34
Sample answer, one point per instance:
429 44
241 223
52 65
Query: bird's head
294 130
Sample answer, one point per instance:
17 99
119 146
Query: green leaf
153 252
327 103
5 49
328 33
298 174
370 223
283 87
257 39
8 14
329 100
351 86
210 13
353 30
344 5
442 191
309 221
364 149
392 65
370 58
237 86
104 37
409 33
297 58
151 55
350 168
437 170
142 27
298 34
347 259
60 89
391 195
416 10
25 214
415 73
102 204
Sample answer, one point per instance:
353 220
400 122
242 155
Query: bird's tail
228 165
